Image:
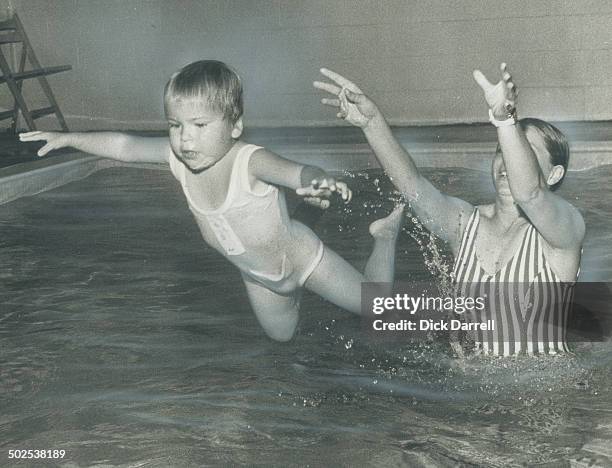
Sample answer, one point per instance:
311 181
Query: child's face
199 135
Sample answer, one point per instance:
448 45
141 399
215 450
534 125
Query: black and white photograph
305 233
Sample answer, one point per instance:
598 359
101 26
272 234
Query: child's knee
280 326
282 333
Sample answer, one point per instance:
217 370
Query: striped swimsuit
527 301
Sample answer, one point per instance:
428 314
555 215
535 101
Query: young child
231 188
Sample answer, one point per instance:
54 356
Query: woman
522 251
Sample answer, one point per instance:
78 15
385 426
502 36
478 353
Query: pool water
126 341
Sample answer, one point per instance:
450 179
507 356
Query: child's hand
354 106
320 191
501 97
55 140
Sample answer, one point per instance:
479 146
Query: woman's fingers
482 80
345 97
344 104
354 98
331 102
330 88
504 89
512 91
332 75
339 79
507 77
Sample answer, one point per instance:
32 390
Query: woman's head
551 148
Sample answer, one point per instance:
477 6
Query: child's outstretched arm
310 182
443 215
113 145
528 185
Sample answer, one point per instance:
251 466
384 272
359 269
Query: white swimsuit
252 229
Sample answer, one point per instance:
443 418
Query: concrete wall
414 57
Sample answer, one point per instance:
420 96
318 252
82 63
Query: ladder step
9 38
6 115
41 112
38 72
35 113
7 25
11 31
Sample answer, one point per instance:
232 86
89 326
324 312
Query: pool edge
38 176
44 174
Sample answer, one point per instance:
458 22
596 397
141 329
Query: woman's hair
211 80
555 142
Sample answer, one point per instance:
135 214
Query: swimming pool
127 342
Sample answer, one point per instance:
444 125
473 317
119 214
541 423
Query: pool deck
335 149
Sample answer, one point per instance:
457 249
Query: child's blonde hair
212 80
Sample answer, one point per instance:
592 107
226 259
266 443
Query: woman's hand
500 97
353 106
321 189
55 140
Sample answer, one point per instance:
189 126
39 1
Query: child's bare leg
339 282
277 314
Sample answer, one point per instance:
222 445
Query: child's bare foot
388 228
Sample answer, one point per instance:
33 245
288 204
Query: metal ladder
11 32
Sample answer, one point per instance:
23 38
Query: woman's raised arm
443 215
